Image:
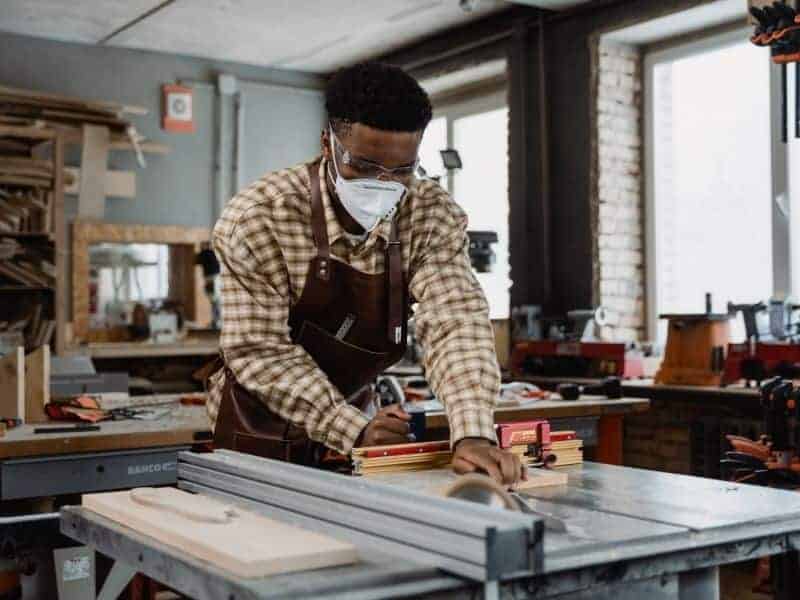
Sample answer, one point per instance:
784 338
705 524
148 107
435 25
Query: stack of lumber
36 329
31 265
30 108
9 248
55 109
567 448
371 460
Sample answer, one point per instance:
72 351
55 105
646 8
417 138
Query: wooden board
12 384
118 184
37 385
94 162
436 481
244 543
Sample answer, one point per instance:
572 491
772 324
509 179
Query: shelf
22 235
145 349
25 288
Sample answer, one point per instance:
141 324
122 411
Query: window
478 129
710 178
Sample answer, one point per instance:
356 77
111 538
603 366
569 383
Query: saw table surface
618 513
629 533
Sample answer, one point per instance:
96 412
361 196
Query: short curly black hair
379 95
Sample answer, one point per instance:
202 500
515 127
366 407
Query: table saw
627 533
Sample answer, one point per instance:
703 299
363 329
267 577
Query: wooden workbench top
146 349
586 406
185 425
646 388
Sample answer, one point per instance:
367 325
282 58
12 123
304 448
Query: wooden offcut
12 385
37 384
118 184
246 544
94 162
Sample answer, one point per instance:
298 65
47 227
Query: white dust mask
368 201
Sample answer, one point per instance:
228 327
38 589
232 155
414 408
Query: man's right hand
388 426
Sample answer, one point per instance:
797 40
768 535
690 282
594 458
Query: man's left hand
479 455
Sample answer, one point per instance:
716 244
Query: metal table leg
491 590
119 576
702 584
785 569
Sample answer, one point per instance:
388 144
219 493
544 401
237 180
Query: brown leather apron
351 323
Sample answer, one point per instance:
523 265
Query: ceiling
687 21
307 35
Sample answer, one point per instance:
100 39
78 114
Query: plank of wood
51 99
538 478
94 162
26 180
37 385
248 545
146 147
118 184
12 384
36 133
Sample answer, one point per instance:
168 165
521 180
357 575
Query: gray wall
282 120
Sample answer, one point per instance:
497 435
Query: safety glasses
368 169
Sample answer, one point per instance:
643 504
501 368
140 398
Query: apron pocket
348 367
293 451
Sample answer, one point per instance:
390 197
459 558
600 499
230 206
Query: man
321 263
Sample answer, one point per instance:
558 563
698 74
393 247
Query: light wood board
37 385
118 184
94 162
12 384
436 481
248 545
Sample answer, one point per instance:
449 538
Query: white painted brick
609 287
622 305
626 334
631 320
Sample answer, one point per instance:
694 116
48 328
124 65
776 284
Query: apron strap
394 269
318 225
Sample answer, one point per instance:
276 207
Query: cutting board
241 542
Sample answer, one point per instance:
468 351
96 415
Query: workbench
121 454
630 534
646 388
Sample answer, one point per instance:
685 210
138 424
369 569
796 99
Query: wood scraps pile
36 329
29 108
28 265
18 106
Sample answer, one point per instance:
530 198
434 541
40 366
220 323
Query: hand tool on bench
610 387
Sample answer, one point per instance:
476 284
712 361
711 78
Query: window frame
781 250
452 111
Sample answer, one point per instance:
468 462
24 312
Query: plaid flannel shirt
264 242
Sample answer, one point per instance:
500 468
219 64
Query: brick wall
619 252
686 437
